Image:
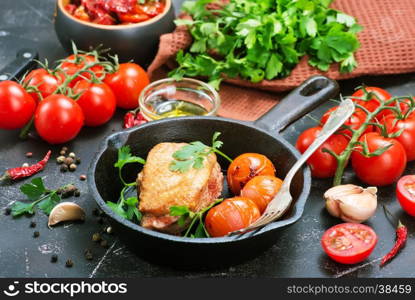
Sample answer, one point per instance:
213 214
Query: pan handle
24 61
303 99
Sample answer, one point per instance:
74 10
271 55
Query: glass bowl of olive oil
169 98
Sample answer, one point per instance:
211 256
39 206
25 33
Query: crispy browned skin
161 188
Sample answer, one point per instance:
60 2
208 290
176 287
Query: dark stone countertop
298 253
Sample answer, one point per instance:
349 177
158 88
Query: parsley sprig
40 197
257 40
126 207
196 227
194 154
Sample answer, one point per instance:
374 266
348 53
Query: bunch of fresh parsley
265 39
126 207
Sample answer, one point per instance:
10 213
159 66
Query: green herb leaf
47 204
125 157
117 209
34 189
21 208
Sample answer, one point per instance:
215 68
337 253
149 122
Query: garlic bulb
351 203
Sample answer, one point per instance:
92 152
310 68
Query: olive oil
178 108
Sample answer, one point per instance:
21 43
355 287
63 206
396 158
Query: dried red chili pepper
22 172
132 119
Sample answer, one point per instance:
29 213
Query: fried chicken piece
161 188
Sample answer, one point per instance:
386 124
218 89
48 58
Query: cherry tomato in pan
16 105
372 98
230 215
349 243
97 102
261 190
127 83
383 169
45 82
405 191
245 167
354 122
322 164
74 63
394 125
58 119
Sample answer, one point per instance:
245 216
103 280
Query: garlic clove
66 211
351 203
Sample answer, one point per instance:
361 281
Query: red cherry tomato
97 102
74 63
137 15
407 137
45 82
261 190
404 106
383 169
405 191
230 215
371 101
322 164
245 167
349 243
58 119
127 83
354 122
16 105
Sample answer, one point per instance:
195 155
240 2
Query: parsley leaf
41 198
125 157
193 155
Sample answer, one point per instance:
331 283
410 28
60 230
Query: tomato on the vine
16 105
322 164
230 215
405 192
349 243
127 83
384 168
97 102
45 82
261 190
58 119
245 167
73 63
406 126
371 102
354 122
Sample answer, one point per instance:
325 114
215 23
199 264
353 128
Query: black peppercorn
32 224
69 263
7 211
88 254
77 193
36 234
64 168
54 258
104 244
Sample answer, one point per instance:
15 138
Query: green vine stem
343 158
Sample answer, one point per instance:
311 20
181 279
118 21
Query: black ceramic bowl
136 42
239 137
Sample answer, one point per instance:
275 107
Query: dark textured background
28 23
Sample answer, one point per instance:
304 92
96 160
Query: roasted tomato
349 243
245 167
405 191
261 190
370 100
383 169
230 215
354 122
137 15
322 164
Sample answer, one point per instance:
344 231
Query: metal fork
282 201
